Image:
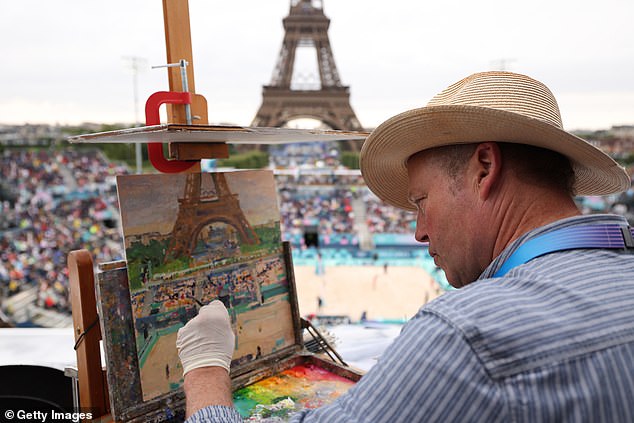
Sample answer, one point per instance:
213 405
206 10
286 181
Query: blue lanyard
612 236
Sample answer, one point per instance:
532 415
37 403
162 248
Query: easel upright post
178 43
92 391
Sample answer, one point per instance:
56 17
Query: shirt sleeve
215 414
429 373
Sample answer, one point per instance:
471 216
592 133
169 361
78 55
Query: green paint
284 394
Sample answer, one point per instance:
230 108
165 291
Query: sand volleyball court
397 293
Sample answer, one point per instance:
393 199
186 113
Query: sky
255 190
69 61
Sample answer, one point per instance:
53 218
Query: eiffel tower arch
306 26
197 210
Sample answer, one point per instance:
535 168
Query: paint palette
280 396
280 388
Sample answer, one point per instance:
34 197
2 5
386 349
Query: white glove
207 339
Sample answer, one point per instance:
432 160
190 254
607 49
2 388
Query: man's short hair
539 166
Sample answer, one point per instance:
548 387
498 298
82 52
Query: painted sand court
260 329
160 375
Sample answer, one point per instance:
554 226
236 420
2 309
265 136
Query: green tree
250 160
350 159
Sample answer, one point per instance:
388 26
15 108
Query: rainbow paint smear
277 398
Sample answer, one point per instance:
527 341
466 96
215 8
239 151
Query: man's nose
421 230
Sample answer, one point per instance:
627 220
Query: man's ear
487 162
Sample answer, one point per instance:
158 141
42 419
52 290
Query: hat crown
503 91
484 107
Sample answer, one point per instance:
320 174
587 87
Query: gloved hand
207 339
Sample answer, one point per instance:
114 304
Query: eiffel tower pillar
306 26
186 219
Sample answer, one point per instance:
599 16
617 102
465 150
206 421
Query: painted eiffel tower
306 26
197 210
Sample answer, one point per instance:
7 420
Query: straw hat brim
385 152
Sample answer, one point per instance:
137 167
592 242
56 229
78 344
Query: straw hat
487 106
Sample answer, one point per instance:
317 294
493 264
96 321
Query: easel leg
92 390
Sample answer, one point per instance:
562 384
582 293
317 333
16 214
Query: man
542 327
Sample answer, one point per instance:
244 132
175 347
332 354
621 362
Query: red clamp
152 117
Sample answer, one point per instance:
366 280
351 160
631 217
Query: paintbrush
196 299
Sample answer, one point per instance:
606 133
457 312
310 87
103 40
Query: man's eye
418 203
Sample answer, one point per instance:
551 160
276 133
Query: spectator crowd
53 202
56 201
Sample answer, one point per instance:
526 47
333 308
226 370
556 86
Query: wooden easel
92 385
92 389
188 143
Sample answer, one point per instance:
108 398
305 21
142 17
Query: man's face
443 217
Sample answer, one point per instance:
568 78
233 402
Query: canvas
193 238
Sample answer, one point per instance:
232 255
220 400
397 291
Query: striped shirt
551 341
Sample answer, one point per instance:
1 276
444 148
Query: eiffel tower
306 26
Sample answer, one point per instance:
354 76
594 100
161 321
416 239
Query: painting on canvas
190 239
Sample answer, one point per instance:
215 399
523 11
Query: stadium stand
56 201
53 202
